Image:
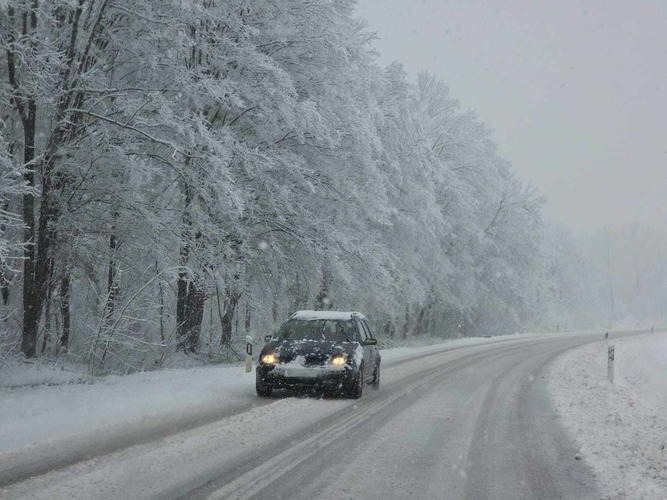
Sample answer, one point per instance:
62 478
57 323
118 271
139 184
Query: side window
361 333
368 329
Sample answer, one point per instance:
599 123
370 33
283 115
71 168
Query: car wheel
357 387
263 388
376 378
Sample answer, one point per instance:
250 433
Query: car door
375 349
370 351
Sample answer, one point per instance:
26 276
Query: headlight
269 359
338 360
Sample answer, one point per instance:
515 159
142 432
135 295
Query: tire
263 388
376 380
357 387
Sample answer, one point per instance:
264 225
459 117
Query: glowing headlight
269 359
338 360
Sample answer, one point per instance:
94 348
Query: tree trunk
161 301
4 284
419 328
190 303
196 301
184 281
295 292
112 280
323 300
26 108
181 310
47 309
386 329
190 296
4 280
274 309
228 317
64 309
31 304
406 325
248 312
34 303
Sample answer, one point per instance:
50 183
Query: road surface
468 422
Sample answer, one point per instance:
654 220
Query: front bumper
288 376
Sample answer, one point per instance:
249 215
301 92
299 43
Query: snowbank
18 372
32 414
621 429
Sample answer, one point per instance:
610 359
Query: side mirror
267 338
370 342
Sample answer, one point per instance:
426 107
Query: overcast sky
575 91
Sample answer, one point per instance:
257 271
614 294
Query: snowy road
468 422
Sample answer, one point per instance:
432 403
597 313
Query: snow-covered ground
48 413
621 429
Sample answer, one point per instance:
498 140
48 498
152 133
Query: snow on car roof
334 315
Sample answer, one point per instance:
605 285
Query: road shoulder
621 428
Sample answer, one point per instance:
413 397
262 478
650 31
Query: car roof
331 315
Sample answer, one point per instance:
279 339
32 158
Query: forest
177 174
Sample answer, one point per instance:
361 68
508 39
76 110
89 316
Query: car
327 350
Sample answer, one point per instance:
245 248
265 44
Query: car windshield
317 329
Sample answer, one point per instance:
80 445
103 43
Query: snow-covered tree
191 169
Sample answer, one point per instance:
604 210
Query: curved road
468 422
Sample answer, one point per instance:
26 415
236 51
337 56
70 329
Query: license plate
301 373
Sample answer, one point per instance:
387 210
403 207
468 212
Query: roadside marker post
610 364
248 354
